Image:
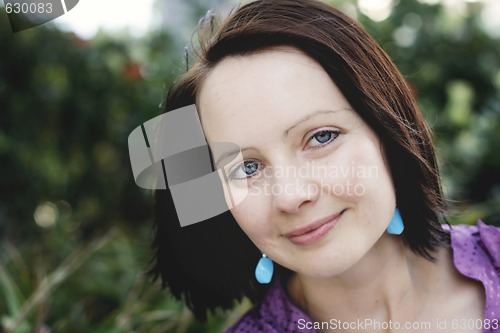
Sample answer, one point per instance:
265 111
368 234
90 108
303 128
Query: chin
324 269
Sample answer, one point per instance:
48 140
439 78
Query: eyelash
335 134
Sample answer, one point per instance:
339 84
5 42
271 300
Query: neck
388 283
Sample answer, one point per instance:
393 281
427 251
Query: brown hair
374 88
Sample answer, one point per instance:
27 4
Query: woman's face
320 194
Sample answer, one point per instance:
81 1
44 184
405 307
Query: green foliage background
67 106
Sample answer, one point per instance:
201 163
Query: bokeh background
74 227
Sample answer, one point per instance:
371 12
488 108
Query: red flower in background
80 42
133 71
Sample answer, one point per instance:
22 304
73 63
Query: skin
357 270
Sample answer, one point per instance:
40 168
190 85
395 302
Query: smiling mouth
314 231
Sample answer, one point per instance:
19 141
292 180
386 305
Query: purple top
476 254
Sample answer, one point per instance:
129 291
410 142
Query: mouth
314 231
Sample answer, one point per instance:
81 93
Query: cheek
358 173
375 175
252 217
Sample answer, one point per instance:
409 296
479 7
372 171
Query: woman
340 184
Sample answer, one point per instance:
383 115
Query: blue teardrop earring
396 226
264 270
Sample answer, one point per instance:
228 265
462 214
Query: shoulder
275 314
476 254
476 245
252 321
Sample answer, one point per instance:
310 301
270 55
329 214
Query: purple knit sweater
476 254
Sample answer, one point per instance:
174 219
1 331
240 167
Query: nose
292 189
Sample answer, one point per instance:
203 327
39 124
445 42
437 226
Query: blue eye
250 167
323 137
245 170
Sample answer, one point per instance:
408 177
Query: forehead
260 94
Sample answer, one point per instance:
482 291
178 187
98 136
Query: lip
314 231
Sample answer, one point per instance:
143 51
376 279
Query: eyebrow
285 134
309 116
230 154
